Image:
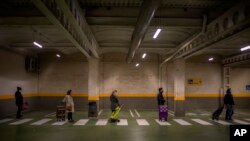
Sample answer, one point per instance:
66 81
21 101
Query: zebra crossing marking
222 122
5 120
59 122
137 113
241 122
123 122
202 122
42 121
182 122
21 121
131 113
81 122
101 122
162 123
100 112
248 119
142 122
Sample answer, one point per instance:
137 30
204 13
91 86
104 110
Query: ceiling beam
131 21
237 60
231 22
147 12
161 51
60 14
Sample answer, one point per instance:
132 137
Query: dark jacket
114 102
19 98
160 99
228 99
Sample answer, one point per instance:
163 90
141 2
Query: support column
179 87
93 86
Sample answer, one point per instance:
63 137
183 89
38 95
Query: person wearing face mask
19 102
115 107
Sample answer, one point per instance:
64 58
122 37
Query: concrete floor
131 132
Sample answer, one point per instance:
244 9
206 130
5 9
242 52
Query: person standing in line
160 98
114 106
19 102
229 103
68 99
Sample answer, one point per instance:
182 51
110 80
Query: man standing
229 102
19 102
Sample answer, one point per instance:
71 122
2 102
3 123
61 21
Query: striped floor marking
171 113
202 122
51 114
123 122
222 122
248 119
142 122
101 122
5 120
100 112
182 122
81 122
42 121
21 121
137 113
60 122
131 113
162 123
240 121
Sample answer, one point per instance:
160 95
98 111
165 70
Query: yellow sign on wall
194 81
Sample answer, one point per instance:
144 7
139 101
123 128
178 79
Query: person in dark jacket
19 102
114 104
160 98
229 102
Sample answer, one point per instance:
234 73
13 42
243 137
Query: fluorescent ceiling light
144 55
157 33
245 48
137 64
38 45
211 59
58 55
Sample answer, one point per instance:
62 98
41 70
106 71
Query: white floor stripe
202 122
182 122
142 122
248 119
81 122
162 123
100 112
42 121
51 114
240 121
191 114
21 121
131 113
101 122
137 113
171 113
60 122
222 122
123 122
5 120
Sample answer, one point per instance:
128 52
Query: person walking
68 99
160 98
115 107
19 102
229 103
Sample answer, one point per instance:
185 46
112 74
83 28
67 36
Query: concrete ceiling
112 23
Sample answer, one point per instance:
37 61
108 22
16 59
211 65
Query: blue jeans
229 111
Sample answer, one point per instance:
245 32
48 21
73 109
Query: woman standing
68 99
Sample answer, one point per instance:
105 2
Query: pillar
93 86
179 87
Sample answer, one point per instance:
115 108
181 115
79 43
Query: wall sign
247 87
194 81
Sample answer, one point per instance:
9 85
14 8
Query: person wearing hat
68 99
19 102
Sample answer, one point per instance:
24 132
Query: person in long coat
68 99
